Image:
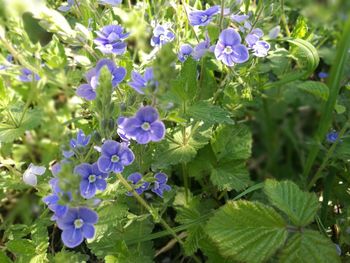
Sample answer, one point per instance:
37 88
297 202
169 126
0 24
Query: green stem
149 208
222 14
284 20
329 154
185 178
334 81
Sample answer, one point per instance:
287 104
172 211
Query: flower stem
149 208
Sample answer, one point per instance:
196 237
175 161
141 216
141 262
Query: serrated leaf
232 142
183 146
209 113
230 175
309 246
301 207
316 88
300 28
247 231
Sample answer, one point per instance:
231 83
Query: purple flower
202 48
253 37
114 156
92 179
136 179
161 36
120 130
160 184
67 7
274 32
110 40
145 126
185 51
30 175
67 154
332 137
261 48
52 201
110 2
56 169
203 18
81 141
28 76
76 225
229 49
9 59
239 18
88 91
323 75
139 83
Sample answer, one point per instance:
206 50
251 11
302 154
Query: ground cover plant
174 131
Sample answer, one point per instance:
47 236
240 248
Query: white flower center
92 178
109 46
204 18
115 158
145 126
161 37
78 223
228 50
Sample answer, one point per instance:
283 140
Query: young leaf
301 207
309 246
247 231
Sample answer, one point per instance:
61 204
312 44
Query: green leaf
209 113
230 175
309 246
4 258
300 28
70 256
10 133
316 88
307 56
183 146
247 231
301 207
232 142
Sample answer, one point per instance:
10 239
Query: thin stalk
222 14
333 83
185 178
329 154
284 20
148 208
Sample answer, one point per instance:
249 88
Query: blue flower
229 49
77 224
254 36
145 126
88 91
56 169
274 32
139 83
110 2
114 156
52 201
261 48
81 141
203 18
201 48
120 130
30 175
161 36
67 7
160 185
9 59
239 18
323 75
28 76
136 179
110 40
92 179
67 154
185 51
332 137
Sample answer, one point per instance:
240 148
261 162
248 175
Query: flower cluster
140 185
229 48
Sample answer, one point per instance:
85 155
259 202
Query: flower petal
72 237
88 231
